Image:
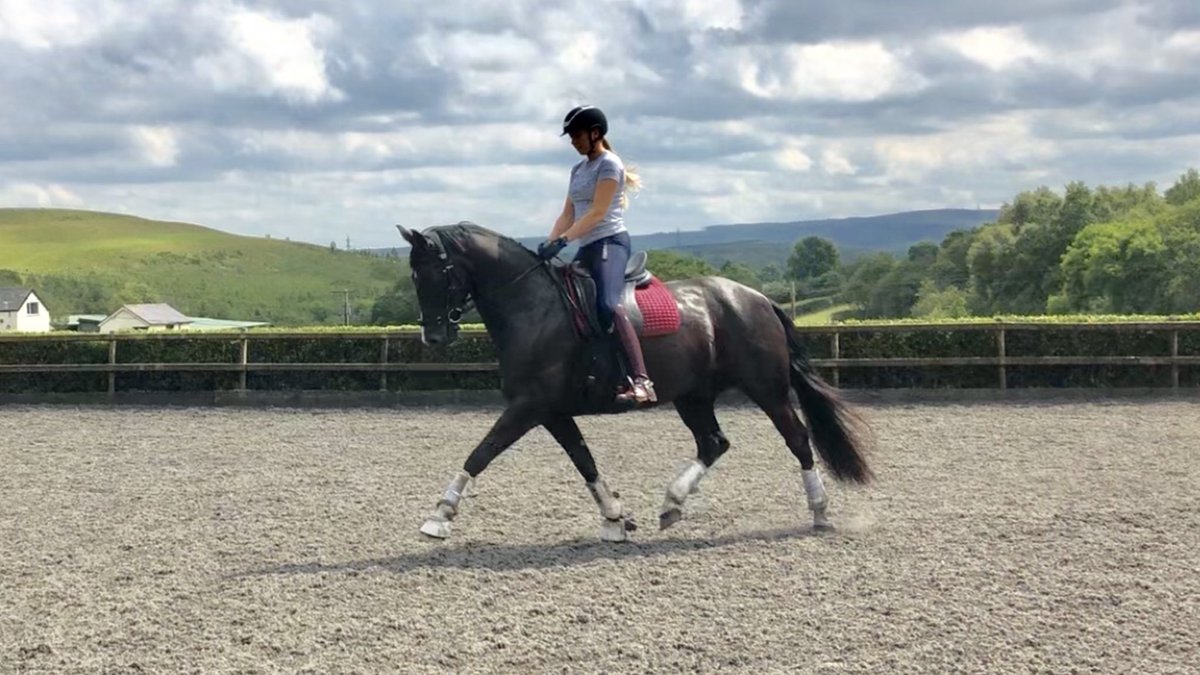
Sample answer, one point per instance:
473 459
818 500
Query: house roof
12 299
160 314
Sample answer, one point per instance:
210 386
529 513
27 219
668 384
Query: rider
593 214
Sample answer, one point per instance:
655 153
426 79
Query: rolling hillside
91 262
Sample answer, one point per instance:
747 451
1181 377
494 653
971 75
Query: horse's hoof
669 517
824 526
436 529
613 531
630 524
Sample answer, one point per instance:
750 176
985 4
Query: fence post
1001 349
1175 358
835 350
383 359
112 361
244 360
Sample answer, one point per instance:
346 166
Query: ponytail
633 182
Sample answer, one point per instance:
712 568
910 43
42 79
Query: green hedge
857 340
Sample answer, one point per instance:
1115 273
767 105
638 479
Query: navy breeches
606 260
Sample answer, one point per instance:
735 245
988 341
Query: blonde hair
633 181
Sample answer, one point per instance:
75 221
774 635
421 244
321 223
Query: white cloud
266 54
47 24
994 142
694 14
158 146
997 48
40 195
834 163
832 71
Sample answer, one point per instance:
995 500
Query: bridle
455 282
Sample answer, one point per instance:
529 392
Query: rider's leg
610 285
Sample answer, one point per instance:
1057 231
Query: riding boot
641 390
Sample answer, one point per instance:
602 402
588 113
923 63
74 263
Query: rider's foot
640 392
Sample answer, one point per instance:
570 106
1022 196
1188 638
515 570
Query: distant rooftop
12 299
160 314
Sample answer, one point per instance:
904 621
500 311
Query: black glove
549 249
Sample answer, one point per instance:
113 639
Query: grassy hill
92 262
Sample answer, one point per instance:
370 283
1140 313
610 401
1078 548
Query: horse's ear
414 239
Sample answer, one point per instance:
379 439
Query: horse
729 337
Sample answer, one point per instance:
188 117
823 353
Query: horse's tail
835 429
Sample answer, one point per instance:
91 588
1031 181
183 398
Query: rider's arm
564 220
606 188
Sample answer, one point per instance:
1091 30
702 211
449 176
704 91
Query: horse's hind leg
698 415
615 522
794 433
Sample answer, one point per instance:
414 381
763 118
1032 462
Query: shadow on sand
513 557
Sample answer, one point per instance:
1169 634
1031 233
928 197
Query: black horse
730 336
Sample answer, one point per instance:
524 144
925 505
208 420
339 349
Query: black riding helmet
585 117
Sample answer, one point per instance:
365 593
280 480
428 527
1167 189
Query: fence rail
835 363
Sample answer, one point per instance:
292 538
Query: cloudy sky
321 120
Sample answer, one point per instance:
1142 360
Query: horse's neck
508 294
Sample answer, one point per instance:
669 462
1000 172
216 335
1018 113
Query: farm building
90 323
155 317
23 311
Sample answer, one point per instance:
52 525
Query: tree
1117 267
935 303
670 266
924 253
868 271
1036 206
811 257
950 268
740 273
1185 189
896 293
9 278
396 307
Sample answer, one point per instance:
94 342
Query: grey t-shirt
584 177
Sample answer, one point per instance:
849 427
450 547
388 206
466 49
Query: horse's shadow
514 557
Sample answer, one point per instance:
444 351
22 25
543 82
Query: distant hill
84 262
757 244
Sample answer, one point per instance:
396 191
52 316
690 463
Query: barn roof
159 314
12 299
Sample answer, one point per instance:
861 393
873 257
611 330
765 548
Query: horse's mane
462 231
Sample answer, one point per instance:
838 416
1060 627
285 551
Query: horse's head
442 288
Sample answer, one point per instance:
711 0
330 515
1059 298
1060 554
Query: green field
90 262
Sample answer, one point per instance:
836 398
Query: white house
22 310
158 317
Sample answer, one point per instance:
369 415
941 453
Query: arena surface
1053 536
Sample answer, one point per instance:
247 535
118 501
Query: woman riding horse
593 215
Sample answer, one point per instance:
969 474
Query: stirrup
640 391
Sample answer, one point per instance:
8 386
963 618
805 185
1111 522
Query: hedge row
855 341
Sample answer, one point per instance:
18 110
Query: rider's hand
549 249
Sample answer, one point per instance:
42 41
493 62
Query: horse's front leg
614 521
514 423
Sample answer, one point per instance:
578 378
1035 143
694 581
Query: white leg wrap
687 482
610 506
454 492
815 490
438 524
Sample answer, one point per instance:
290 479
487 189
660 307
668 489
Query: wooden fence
834 364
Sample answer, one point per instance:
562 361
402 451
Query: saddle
647 301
